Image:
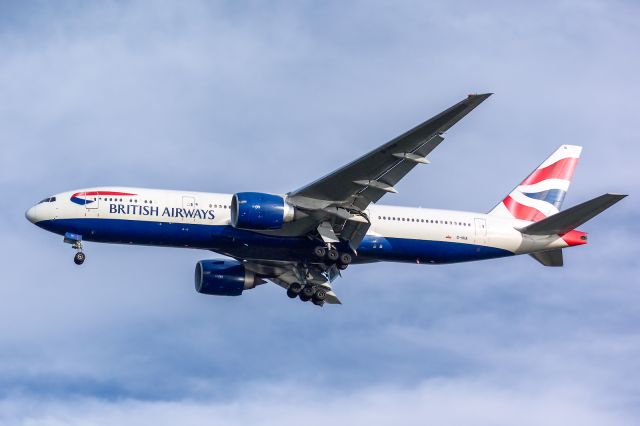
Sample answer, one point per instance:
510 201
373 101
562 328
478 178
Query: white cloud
218 98
451 402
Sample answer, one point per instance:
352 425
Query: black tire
342 266
295 288
345 258
320 295
320 252
304 298
318 302
307 291
79 258
332 255
291 294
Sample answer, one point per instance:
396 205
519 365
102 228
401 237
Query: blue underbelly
425 251
248 244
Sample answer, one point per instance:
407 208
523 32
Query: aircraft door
481 230
92 200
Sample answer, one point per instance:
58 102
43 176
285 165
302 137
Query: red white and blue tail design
541 194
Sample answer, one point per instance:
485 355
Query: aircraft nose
31 215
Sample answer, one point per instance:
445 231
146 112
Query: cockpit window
48 200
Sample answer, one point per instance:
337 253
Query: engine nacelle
255 210
223 278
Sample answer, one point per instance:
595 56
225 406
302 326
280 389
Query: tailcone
575 238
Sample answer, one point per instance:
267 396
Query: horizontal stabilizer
567 220
549 258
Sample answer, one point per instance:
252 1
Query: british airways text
133 209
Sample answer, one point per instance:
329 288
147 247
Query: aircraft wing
368 178
336 203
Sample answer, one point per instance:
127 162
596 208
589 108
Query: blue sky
237 96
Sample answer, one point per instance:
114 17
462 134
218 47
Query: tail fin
541 194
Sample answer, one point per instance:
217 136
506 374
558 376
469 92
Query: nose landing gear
76 243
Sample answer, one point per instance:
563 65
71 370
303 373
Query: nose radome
31 214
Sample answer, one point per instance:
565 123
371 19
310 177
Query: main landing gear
331 256
314 293
304 289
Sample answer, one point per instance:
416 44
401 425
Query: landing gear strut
76 243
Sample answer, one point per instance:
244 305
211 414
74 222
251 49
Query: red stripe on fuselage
520 211
561 169
102 193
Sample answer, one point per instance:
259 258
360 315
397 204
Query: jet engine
255 210
223 278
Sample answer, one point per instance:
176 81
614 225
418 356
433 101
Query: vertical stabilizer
541 194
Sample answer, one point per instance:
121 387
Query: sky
268 96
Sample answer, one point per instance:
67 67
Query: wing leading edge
369 177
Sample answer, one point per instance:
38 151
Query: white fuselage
202 220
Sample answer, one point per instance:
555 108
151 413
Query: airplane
304 239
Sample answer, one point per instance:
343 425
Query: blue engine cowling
255 210
223 278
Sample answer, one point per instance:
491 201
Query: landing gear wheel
345 259
78 259
304 298
294 290
333 255
307 291
320 295
342 266
320 252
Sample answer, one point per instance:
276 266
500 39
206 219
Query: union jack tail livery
541 194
